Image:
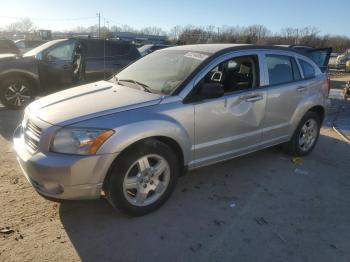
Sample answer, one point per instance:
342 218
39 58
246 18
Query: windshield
161 72
40 48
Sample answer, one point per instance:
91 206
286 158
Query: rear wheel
142 178
16 92
305 136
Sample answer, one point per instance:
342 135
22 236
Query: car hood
89 101
7 57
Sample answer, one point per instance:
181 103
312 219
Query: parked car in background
342 59
25 45
7 46
347 66
147 49
175 109
60 64
333 59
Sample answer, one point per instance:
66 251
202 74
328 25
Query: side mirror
211 90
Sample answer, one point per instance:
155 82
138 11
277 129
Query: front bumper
63 176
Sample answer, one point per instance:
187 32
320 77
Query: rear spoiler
319 55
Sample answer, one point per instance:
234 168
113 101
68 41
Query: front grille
31 136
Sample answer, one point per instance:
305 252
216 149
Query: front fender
31 76
131 133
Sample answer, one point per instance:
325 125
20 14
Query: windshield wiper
143 86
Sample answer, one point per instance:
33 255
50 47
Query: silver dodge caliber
177 109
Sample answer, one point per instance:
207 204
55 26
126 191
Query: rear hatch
319 55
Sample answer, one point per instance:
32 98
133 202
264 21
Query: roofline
257 47
239 47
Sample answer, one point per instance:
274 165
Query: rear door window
116 49
280 69
94 48
308 69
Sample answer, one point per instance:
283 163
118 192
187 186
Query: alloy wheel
146 180
17 94
308 134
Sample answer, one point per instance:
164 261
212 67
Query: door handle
301 88
253 99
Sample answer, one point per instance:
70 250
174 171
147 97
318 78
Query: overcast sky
330 17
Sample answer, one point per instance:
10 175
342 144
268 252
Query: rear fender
308 102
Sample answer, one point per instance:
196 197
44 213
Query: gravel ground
260 207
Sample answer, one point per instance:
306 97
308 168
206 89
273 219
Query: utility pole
218 33
99 24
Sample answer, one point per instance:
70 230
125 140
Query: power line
49 19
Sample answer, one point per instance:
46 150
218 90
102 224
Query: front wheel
142 178
16 92
305 136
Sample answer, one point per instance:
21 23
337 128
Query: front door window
62 52
236 74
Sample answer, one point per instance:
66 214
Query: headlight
79 141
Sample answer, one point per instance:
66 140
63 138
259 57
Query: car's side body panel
57 73
229 125
282 102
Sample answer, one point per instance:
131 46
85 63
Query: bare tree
175 32
25 25
152 31
190 34
256 33
116 28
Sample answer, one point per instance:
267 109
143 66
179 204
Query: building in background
140 39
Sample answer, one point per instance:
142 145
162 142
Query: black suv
60 64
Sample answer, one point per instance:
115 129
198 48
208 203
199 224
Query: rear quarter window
308 69
296 72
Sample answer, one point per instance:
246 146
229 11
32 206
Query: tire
21 91
130 171
294 147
